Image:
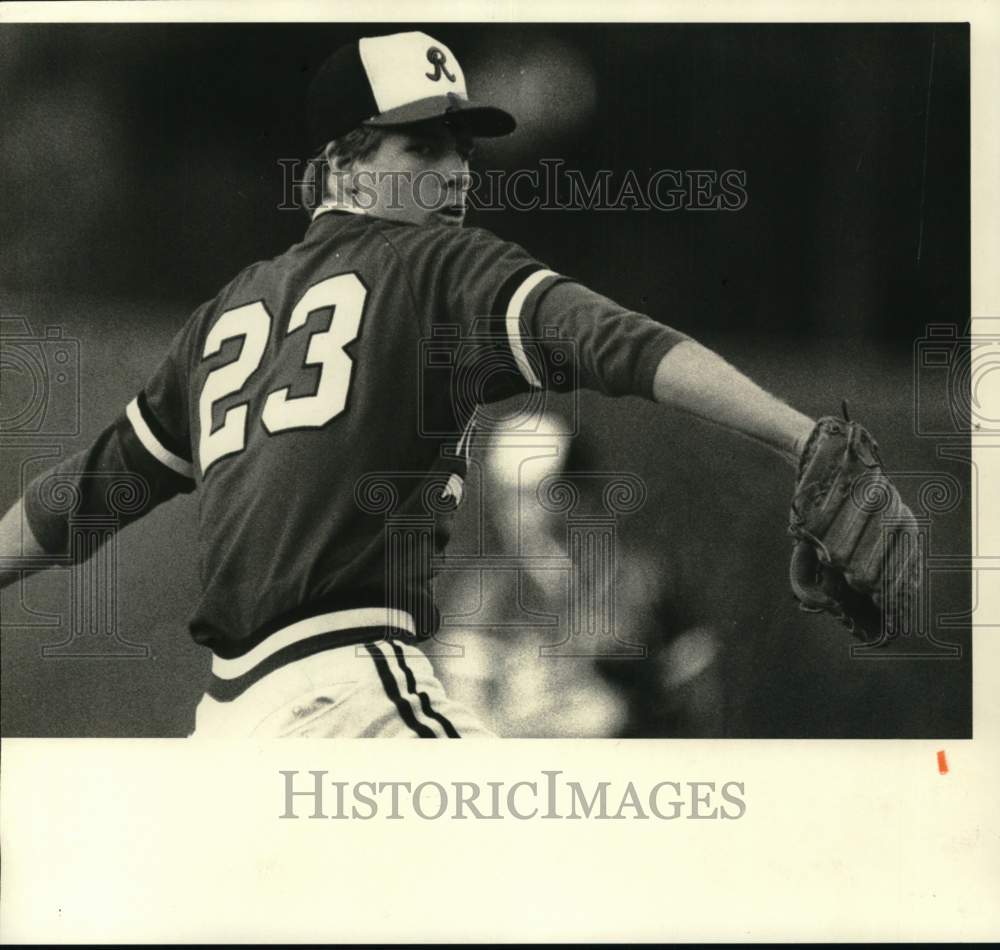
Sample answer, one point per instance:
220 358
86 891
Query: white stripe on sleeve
514 324
153 445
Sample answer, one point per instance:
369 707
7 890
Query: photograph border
836 839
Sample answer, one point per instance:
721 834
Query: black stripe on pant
392 691
425 701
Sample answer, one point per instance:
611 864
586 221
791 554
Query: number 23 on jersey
345 295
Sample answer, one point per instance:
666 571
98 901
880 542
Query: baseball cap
392 81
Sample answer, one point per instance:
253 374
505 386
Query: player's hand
856 553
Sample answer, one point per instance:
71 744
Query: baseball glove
855 553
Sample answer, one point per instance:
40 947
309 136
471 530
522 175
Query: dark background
139 172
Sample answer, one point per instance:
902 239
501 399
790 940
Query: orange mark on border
942 762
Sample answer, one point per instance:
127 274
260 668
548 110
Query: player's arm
20 552
139 461
537 313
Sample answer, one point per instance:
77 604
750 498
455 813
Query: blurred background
140 170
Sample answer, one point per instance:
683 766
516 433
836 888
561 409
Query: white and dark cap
392 81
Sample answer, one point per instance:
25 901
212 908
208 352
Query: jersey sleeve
556 332
609 348
142 459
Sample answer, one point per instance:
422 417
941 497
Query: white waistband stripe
311 627
153 445
514 324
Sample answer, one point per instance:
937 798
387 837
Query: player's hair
359 143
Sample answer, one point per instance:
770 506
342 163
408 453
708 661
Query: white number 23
345 294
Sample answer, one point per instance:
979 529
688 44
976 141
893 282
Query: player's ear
337 173
330 152
334 160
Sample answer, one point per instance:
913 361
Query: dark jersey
321 405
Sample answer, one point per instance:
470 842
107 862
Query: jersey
321 406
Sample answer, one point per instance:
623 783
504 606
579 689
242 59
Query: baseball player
293 399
